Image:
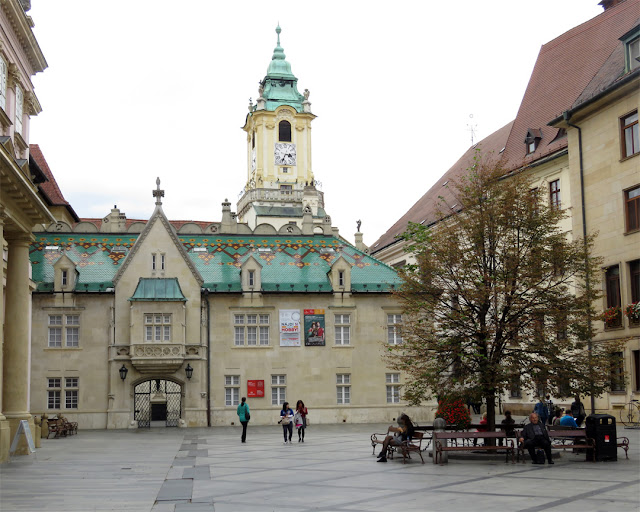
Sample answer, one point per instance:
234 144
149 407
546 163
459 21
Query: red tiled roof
425 208
50 189
564 68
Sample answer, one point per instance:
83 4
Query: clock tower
281 188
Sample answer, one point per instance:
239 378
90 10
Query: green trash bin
602 429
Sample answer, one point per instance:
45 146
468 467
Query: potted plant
612 316
454 411
632 312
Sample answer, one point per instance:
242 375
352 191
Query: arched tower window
284 131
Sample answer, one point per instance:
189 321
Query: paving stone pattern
194 470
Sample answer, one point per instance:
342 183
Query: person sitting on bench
567 420
535 435
404 432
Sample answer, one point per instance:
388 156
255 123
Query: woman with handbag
286 419
244 417
301 419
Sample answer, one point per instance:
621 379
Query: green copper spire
280 85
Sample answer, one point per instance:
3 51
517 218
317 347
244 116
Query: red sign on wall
255 388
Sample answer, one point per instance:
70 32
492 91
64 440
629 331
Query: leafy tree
496 297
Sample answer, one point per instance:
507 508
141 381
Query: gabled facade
584 71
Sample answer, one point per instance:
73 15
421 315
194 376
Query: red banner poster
255 389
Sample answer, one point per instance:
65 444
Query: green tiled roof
158 289
295 264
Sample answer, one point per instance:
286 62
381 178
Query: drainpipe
566 115
206 301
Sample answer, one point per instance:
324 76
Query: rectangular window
53 393
393 329
286 189
252 278
64 278
617 372
252 327
554 194
630 135
632 208
55 330
636 369
340 277
343 388
231 389
73 331
343 329
612 279
515 391
157 327
3 83
278 389
393 388
19 109
71 392
153 262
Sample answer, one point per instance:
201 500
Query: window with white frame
393 388
278 389
342 329
252 329
64 327
231 389
19 109
53 393
393 329
71 392
157 327
3 83
343 388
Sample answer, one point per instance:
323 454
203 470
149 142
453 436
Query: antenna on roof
472 129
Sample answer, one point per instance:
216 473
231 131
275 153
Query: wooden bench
413 445
57 427
378 439
564 439
439 439
623 442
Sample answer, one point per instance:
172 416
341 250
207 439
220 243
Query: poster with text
314 327
255 388
289 327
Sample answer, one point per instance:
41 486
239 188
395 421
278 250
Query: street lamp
123 372
188 371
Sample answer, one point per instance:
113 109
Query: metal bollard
439 425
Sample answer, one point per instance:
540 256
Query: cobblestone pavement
200 469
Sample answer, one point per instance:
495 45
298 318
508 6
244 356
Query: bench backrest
469 435
567 433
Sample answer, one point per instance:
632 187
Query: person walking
577 410
286 419
541 410
244 417
300 419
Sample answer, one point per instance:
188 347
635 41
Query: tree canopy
497 297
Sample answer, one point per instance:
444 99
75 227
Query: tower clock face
285 153
253 159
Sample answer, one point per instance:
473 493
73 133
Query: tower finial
157 193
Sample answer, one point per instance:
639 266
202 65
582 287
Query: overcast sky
140 89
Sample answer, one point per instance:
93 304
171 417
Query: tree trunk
491 415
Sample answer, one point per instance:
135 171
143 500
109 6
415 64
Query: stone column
17 345
5 442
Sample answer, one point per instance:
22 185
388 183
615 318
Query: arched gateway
158 403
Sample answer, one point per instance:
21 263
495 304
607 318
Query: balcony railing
270 194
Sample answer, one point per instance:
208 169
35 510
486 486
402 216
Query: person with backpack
244 416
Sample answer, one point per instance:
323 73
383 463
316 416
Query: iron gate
166 389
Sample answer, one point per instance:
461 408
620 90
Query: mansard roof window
631 41
534 135
284 131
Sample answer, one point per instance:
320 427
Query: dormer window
252 278
532 140
65 278
284 131
341 278
631 41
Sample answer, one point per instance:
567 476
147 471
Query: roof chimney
607 4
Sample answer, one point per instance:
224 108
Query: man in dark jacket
535 435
